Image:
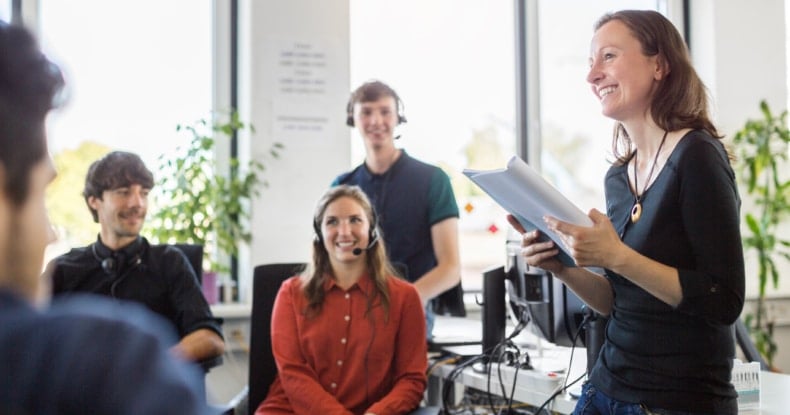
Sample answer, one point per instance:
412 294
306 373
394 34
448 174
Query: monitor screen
554 310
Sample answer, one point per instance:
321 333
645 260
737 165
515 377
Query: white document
521 191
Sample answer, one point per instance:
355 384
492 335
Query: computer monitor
553 308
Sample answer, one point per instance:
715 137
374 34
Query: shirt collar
364 283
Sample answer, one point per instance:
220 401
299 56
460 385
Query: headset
115 264
362 91
373 234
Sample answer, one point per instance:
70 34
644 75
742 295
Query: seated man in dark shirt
122 264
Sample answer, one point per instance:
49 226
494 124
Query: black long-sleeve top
677 358
158 276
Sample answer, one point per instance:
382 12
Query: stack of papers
523 192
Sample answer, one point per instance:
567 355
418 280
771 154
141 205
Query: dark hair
681 99
114 170
372 91
29 85
379 266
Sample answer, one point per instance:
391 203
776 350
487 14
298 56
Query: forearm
660 280
199 345
437 280
594 289
447 273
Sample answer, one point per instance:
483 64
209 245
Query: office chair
747 346
263 369
194 254
451 302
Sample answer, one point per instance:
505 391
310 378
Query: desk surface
774 394
774 387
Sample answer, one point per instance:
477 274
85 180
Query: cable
437 363
586 320
453 375
557 393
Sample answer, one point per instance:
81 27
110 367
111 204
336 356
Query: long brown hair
681 99
378 264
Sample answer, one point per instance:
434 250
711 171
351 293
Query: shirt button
347 318
713 289
340 363
343 340
333 385
348 296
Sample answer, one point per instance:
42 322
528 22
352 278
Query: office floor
225 382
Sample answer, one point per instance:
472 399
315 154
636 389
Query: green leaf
199 204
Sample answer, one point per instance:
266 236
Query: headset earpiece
108 265
317 228
350 112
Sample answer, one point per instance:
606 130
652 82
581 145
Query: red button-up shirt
343 361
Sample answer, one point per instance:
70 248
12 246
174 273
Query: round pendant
636 212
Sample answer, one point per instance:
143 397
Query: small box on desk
746 380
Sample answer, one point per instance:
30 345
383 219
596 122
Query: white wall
739 49
302 45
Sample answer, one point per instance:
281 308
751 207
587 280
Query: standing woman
348 337
669 243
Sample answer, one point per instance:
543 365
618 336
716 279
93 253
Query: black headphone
114 263
361 92
373 234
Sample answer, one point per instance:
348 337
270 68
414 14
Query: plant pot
210 288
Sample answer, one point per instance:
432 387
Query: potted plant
762 147
196 203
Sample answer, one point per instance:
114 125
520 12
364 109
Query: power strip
530 379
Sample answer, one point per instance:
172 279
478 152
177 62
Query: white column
294 84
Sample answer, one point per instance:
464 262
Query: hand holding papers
520 190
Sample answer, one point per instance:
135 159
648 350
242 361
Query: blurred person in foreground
84 355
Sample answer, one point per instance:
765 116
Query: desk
774 394
532 387
774 387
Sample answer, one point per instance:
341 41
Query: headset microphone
374 237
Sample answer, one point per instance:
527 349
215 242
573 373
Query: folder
526 195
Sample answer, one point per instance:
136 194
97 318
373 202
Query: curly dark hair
114 170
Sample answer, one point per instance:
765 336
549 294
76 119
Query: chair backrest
194 254
748 348
262 369
451 302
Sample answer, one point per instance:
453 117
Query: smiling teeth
606 91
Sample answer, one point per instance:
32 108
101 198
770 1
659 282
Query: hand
597 245
537 254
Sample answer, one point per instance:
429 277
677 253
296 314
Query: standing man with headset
122 264
416 207
81 355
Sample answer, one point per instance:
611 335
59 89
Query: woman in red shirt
347 335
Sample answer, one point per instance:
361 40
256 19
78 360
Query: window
134 70
454 70
5 10
575 136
